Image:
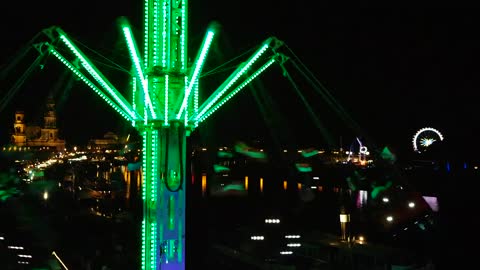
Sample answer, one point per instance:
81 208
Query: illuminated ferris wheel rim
420 131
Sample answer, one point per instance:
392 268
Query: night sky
393 71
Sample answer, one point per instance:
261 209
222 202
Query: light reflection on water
362 196
310 207
247 200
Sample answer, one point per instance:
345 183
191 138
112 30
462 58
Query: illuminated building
35 136
109 141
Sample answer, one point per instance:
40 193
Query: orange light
246 182
261 184
204 184
285 185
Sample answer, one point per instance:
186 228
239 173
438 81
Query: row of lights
274 220
288 236
19 255
14 148
14 247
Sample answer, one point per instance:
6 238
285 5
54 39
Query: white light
45 195
257 237
294 245
389 218
14 247
411 204
385 199
290 236
24 256
286 252
270 220
1 238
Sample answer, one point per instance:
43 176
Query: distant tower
50 131
19 137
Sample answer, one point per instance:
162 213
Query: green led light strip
110 102
234 92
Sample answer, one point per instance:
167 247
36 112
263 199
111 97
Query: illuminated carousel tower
164 109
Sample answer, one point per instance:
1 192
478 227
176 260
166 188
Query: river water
227 207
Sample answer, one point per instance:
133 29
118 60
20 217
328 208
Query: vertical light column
165 137
167 116
146 35
145 233
134 93
149 196
195 102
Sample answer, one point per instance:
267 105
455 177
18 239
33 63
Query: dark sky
394 71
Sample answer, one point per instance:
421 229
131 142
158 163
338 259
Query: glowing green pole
161 98
166 94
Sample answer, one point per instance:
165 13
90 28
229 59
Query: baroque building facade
45 137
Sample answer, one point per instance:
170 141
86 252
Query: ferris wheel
424 138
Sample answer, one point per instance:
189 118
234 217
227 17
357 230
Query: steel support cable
329 99
269 113
323 91
218 71
17 57
11 64
12 91
118 66
316 121
210 72
115 66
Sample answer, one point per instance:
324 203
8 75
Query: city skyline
394 71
